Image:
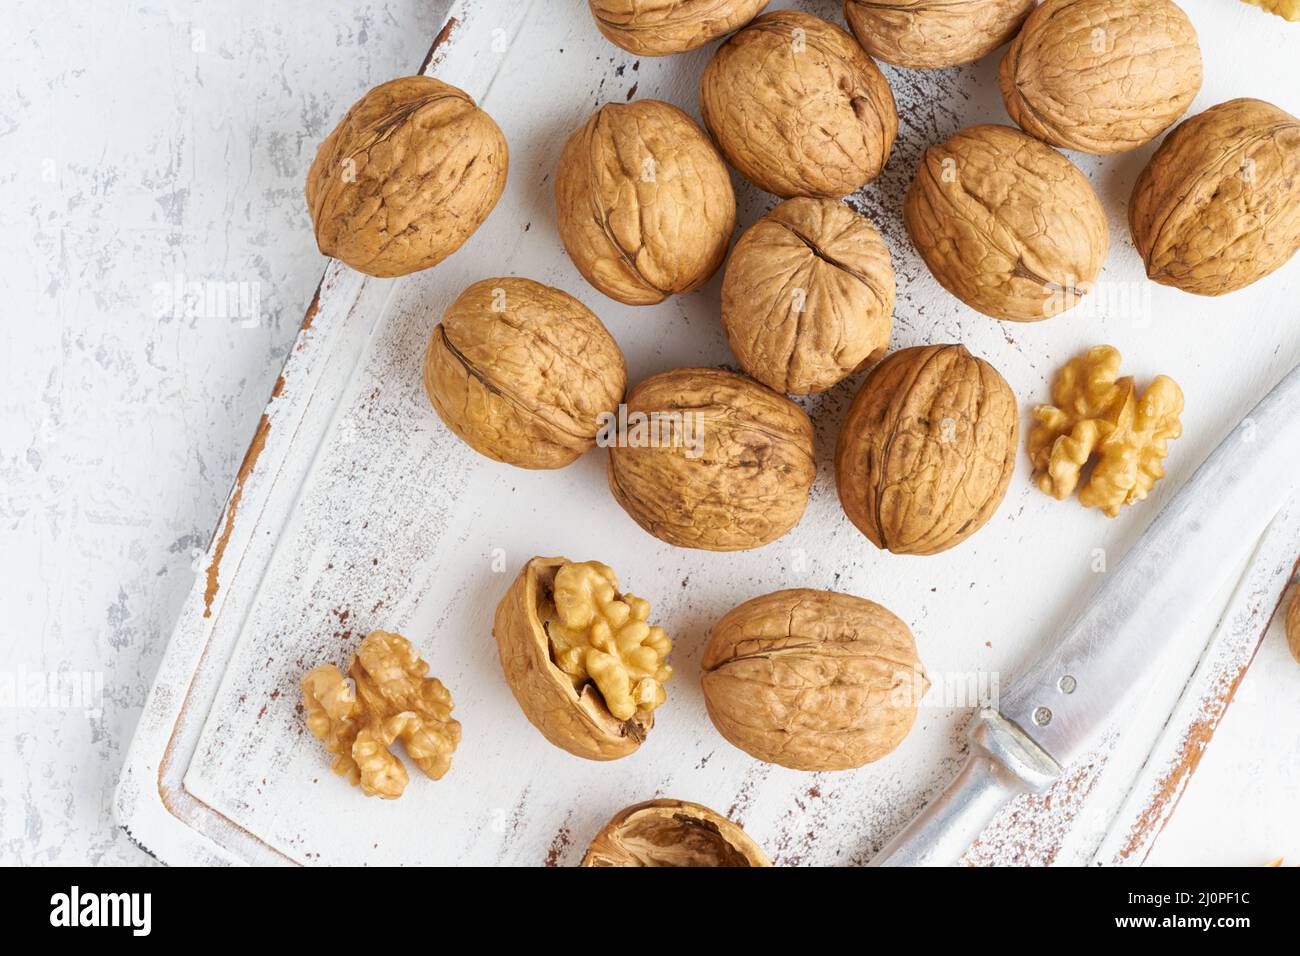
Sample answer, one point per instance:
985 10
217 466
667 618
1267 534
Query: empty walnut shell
931 34
523 372
1293 625
1006 224
712 460
796 105
660 27
1218 206
808 296
927 450
408 175
1101 76
645 204
575 719
812 680
672 833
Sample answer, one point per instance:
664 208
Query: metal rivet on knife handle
1042 716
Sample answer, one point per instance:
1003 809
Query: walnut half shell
1293 625
932 34
672 833
661 27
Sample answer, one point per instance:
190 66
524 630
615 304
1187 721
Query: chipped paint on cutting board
357 510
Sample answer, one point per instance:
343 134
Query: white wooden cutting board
356 509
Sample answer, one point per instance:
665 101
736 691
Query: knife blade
1055 710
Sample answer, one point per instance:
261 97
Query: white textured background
144 141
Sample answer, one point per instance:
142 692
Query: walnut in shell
644 202
1006 224
523 372
812 680
672 833
1218 206
927 450
1293 625
931 34
581 658
710 459
408 175
660 27
796 105
808 296
1101 76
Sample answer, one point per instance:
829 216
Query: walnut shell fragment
796 105
1293 625
932 34
661 27
1006 224
644 202
1101 76
1218 205
672 833
927 450
808 296
710 459
812 680
408 175
523 373
562 700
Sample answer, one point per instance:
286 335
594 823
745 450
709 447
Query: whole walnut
931 34
1218 206
1101 76
581 659
660 27
710 459
812 680
808 296
408 175
796 105
1006 224
927 450
644 202
672 833
523 373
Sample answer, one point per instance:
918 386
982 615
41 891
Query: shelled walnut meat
796 105
660 27
672 833
711 459
808 296
408 175
1006 224
927 450
1101 76
812 680
392 700
1097 418
931 34
581 657
644 202
1218 206
523 372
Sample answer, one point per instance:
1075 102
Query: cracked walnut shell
1218 205
406 178
644 202
1006 224
523 372
796 105
712 460
927 450
393 700
581 658
661 27
1095 414
932 34
808 296
672 833
1101 76
812 680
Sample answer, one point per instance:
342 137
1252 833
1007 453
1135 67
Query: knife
1054 712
